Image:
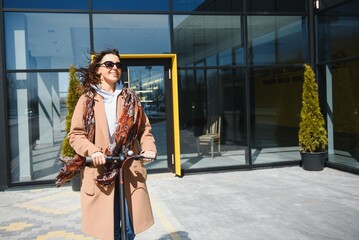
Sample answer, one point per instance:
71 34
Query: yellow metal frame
176 134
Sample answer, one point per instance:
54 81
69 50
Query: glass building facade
241 60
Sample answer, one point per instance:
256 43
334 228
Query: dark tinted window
208 6
343 106
276 5
338 32
53 4
348 9
276 39
326 3
276 105
200 37
132 33
135 5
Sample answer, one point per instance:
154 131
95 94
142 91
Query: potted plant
312 134
73 94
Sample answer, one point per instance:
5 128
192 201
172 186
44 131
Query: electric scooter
120 160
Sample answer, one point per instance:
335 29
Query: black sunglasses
109 64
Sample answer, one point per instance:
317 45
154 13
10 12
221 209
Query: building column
4 147
330 127
25 161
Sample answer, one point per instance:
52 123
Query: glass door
149 78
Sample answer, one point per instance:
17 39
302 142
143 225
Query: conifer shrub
312 133
73 94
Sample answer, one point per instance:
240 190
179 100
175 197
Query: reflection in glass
276 6
234 107
275 116
37 111
343 120
326 3
46 40
338 37
132 33
204 95
225 58
276 39
212 60
238 56
208 5
136 5
149 83
199 37
53 4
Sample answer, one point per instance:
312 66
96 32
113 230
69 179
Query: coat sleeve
145 137
77 134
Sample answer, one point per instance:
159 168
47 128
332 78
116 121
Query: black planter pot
76 183
313 161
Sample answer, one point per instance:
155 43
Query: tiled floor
268 204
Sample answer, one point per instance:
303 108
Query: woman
108 119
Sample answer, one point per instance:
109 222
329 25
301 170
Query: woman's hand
98 158
149 156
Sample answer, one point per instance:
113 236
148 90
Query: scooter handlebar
119 158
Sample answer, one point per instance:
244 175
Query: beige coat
97 203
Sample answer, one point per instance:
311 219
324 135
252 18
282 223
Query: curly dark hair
88 76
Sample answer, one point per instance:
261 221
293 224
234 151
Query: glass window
225 57
37 111
276 5
207 94
346 8
208 5
338 32
326 3
239 56
198 37
185 83
46 40
276 39
135 5
342 88
41 4
234 109
212 60
276 101
135 33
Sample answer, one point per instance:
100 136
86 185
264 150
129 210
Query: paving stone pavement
266 204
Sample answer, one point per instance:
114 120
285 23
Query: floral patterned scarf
128 126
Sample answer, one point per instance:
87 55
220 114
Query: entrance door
151 79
